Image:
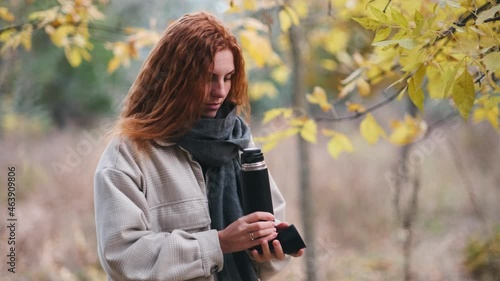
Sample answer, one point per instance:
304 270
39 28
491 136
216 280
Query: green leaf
368 23
464 94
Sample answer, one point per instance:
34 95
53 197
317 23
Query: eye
227 78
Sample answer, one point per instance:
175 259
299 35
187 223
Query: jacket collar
163 143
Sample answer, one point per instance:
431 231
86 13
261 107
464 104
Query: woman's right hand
248 231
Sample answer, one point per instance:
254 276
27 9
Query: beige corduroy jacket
152 217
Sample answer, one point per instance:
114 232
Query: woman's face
220 83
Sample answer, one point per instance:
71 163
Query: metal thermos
256 196
256 191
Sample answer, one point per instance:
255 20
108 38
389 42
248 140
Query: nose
218 89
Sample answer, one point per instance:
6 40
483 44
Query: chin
208 115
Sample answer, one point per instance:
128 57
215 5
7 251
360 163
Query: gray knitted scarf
215 143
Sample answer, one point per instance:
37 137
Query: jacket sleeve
267 270
129 250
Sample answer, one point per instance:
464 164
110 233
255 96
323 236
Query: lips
212 106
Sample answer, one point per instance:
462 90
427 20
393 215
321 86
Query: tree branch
356 115
492 19
387 5
463 19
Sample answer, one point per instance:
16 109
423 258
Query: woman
166 200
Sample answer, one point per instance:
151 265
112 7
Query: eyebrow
229 73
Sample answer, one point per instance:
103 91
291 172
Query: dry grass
356 236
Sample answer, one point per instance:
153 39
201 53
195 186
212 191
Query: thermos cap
252 155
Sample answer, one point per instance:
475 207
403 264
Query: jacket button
214 269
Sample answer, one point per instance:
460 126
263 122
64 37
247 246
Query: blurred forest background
419 207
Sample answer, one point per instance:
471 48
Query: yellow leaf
347 89
113 64
419 23
301 7
368 23
26 36
60 35
256 46
379 15
280 74
492 61
407 131
336 40
328 132
419 75
363 87
382 33
398 18
370 129
7 37
268 146
416 94
299 121
250 5
6 15
355 107
285 20
405 43
328 64
288 17
73 56
293 15
338 144
451 78
487 110
488 14
276 112
464 94
435 85
309 131
260 89
271 140
319 97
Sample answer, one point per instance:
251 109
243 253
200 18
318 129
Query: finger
258 216
282 225
299 253
256 256
278 251
261 225
264 232
266 252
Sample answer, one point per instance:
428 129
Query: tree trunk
406 212
299 101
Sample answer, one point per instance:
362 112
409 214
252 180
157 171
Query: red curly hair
167 96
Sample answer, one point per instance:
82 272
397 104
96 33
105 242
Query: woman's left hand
278 254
